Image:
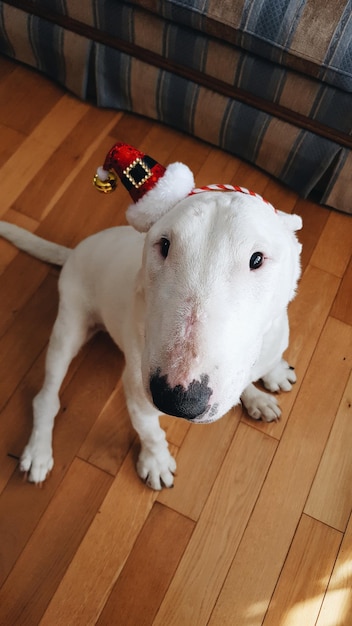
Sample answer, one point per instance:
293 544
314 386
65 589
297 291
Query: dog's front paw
36 461
260 405
280 378
156 469
265 408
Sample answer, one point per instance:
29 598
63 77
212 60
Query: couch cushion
207 60
313 37
61 54
297 157
215 60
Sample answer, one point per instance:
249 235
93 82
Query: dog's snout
180 402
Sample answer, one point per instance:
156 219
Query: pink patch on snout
183 356
190 323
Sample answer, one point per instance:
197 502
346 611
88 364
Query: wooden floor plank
44 560
80 209
18 283
251 178
302 584
333 250
314 220
268 536
34 152
198 580
120 519
19 170
10 141
16 417
282 198
81 403
130 129
337 605
342 307
112 435
27 337
59 121
330 498
176 430
210 441
148 570
218 167
64 164
160 142
17 110
16 421
197 153
307 315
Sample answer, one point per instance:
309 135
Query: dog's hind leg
68 335
155 466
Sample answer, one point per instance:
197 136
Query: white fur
200 314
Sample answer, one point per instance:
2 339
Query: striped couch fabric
267 80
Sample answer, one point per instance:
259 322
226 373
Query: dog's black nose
180 402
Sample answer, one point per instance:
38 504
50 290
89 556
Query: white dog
198 305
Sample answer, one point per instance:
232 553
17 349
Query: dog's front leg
155 466
260 405
280 378
68 335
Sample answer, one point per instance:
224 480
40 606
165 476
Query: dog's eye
256 260
164 247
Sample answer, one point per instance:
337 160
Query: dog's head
218 270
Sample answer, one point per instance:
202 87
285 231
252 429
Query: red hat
154 189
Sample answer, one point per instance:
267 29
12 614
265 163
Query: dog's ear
173 186
292 221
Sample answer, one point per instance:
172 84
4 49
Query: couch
269 81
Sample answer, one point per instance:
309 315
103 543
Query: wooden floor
258 528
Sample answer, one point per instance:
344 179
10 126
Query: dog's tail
34 245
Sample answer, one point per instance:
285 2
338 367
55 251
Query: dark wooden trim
195 76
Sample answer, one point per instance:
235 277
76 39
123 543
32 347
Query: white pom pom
102 174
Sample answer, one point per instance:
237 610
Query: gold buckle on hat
128 172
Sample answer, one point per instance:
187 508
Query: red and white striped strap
227 188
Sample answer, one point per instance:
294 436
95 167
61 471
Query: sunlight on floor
333 607
305 612
337 606
342 574
257 609
336 609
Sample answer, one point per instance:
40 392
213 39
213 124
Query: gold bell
106 186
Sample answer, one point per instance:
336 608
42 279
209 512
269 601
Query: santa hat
154 189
